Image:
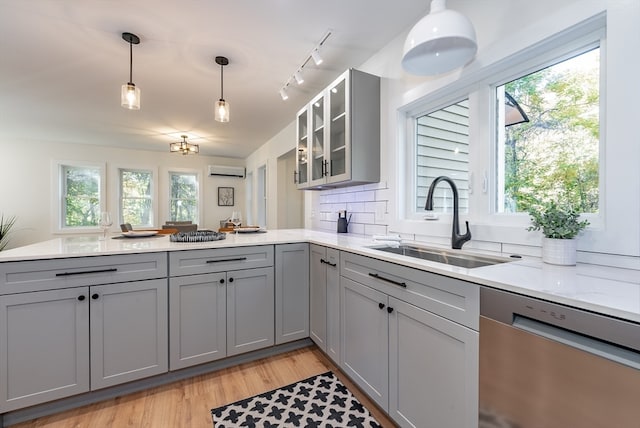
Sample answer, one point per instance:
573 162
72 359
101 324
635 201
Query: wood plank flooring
187 403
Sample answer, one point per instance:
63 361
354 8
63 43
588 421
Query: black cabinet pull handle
84 272
389 309
237 259
323 261
81 297
332 264
381 305
221 280
95 296
230 279
382 278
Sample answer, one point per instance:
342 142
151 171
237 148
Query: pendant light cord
222 82
130 63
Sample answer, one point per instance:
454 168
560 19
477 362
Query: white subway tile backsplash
375 229
367 196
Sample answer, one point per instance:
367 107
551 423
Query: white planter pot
559 251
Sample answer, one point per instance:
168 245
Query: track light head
316 57
283 94
298 77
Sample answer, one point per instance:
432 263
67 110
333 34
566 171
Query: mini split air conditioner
227 171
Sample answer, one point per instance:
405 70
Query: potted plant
560 225
5 228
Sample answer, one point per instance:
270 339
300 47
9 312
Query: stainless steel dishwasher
545 365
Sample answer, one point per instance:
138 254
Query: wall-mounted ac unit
227 171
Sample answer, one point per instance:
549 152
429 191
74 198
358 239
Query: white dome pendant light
222 107
440 42
130 94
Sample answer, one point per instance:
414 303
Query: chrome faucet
457 240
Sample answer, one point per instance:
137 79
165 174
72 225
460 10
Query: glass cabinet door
302 164
319 162
339 129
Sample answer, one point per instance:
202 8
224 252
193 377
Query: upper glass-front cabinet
343 130
302 164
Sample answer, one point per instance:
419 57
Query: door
333 304
129 331
339 144
290 202
292 292
302 146
250 310
261 196
318 296
197 319
433 368
365 339
44 346
318 134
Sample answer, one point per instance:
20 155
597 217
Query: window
81 192
184 196
550 150
136 202
442 148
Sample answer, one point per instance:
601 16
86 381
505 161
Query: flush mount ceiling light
184 147
222 107
297 76
130 94
440 42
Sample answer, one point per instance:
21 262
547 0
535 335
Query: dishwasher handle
579 341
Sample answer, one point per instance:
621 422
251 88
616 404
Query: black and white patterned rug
320 401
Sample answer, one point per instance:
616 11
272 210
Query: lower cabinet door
292 292
318 296
250 310
197 319
365 340
44 346
433 369
333 305
129 331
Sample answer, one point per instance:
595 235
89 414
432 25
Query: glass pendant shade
222 111
440 42
130 97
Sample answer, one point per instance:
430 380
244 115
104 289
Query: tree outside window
183 204
136 203
80 195
555 155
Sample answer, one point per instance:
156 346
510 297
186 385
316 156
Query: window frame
58 193
152 196
199 200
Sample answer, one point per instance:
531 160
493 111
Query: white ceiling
62 63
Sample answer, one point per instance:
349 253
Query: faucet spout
457 240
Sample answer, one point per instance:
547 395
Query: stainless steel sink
448 257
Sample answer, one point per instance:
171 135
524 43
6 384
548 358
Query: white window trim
612 225
165 209
56 195
116 197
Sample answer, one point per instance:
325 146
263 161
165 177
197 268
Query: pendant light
222 107
440 42
184 147
130 94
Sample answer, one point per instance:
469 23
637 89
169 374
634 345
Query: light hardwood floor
188 403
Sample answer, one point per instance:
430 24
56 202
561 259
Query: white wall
25 182
504 29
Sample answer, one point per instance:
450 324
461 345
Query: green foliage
136 197
555 221
184 197
554 156
82 196
5 228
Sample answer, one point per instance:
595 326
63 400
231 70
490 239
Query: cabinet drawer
191 262
456 300
37 275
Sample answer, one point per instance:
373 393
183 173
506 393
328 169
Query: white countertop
606 290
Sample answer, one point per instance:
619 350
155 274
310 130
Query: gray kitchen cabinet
250 310
433 369
365 339
338 134
198 319
129 331
409 340
221 303
324 305
44 346
292 292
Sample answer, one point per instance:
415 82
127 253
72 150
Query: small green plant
5 227
556 221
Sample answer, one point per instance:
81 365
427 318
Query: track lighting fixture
184 147
222 107
130 94
297 76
